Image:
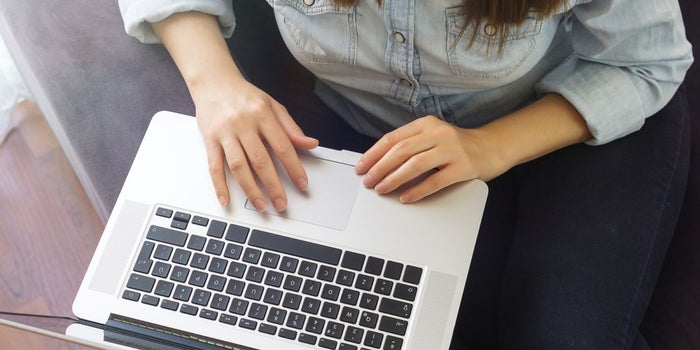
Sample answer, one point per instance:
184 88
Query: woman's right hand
237 120
243 127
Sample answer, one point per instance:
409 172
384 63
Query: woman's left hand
423 146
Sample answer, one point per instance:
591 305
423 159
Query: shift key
166 235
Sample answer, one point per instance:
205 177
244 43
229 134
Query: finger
395 157
412 168
238 164
261 163
282 147
383 145
433 183
216 158
291 128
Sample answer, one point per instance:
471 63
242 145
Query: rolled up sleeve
139 14
629 59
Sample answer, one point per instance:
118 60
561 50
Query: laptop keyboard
273 284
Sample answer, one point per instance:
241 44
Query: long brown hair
501 13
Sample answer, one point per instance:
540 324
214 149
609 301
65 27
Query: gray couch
98 89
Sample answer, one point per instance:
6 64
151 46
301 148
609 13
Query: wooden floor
48 228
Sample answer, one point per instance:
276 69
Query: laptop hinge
144 335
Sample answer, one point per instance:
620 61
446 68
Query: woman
504 91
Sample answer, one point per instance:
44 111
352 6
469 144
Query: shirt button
309 2
399 38
489 29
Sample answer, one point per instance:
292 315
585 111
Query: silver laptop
341 268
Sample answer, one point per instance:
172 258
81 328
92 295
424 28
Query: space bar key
293 246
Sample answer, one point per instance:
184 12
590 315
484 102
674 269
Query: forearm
195 43
549 124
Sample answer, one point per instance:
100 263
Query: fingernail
405 198
360 167
260 205
302 184
279 203
380 188
223 201
368 181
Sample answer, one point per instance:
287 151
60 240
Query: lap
572 243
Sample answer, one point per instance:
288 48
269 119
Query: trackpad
329 198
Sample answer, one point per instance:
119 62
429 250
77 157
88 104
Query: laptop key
308 269
270 260
346 346
131 295
163 212
296 320
163 252
220 302
349 314
239 306
178 225
292 246
315 325
369 319
393 270
412 274
274 278
182 292
383 286
161 269
180 216
267 329
289 264
326 273
141 282
179 274
287 333
166 235
169 304
276 316
254 292
405 292
345 278
374 266
201 221
209 314
373 339
236 269
393 343
235 287
248 324
181 256
273 296
327 343
252 255
353 261
189 309
364 282
150 300
393 325
307 338
311 305
228 319
200 261
350 297
330 292
215 247
292 283
164 288
257 311
216 283
330 310
369 301
255 274
196 242
334 330
198 278
233 251
354 335
237 233
311 287
201 297
216 229
292 301
218 265
395 308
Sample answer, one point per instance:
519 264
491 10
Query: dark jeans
571 244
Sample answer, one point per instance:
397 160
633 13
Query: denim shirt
382 66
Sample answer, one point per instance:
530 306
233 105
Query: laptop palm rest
127 230
329 198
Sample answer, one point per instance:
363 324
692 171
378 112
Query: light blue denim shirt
616 61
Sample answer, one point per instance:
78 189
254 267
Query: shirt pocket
482 59
320 30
